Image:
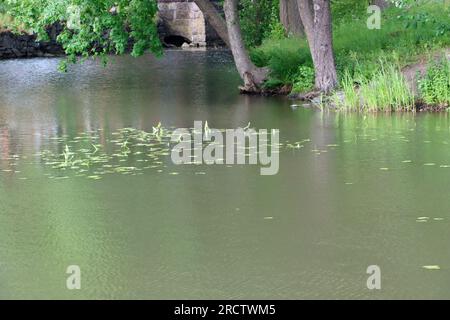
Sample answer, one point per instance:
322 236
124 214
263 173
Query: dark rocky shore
25 46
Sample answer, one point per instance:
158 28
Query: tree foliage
92 27
343 10
259 20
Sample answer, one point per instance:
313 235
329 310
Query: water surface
353 195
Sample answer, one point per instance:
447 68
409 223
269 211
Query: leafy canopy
92 27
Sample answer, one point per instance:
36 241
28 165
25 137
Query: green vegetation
371 58
91 28
435 85
259 20
8 24
386 90
5 20
304 79
284 57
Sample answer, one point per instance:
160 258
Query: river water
351 191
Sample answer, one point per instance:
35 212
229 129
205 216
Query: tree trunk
316 18
326 77
290 17
252 76
383 4
306 15
214 18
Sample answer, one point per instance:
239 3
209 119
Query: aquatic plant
68 156
158 131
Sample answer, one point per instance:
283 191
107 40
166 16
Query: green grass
7 24
386 90
351 98
358 50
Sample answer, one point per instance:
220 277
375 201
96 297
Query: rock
25 45
185 45
317 101
17 52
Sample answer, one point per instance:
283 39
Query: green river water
351 191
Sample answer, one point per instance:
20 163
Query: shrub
304 79
258 20
434 87
283 57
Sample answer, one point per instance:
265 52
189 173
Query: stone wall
184 19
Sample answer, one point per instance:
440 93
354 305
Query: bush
283 57
304 79
258 20
434 87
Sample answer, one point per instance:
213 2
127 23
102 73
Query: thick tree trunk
316 18
290 17
252 76
214 18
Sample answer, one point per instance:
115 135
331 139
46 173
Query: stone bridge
181 21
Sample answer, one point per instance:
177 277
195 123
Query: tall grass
352 100
386 91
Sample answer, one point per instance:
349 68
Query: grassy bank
370 62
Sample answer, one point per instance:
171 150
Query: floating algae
129 151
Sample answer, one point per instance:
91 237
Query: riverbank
394 65
21 43
420 86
